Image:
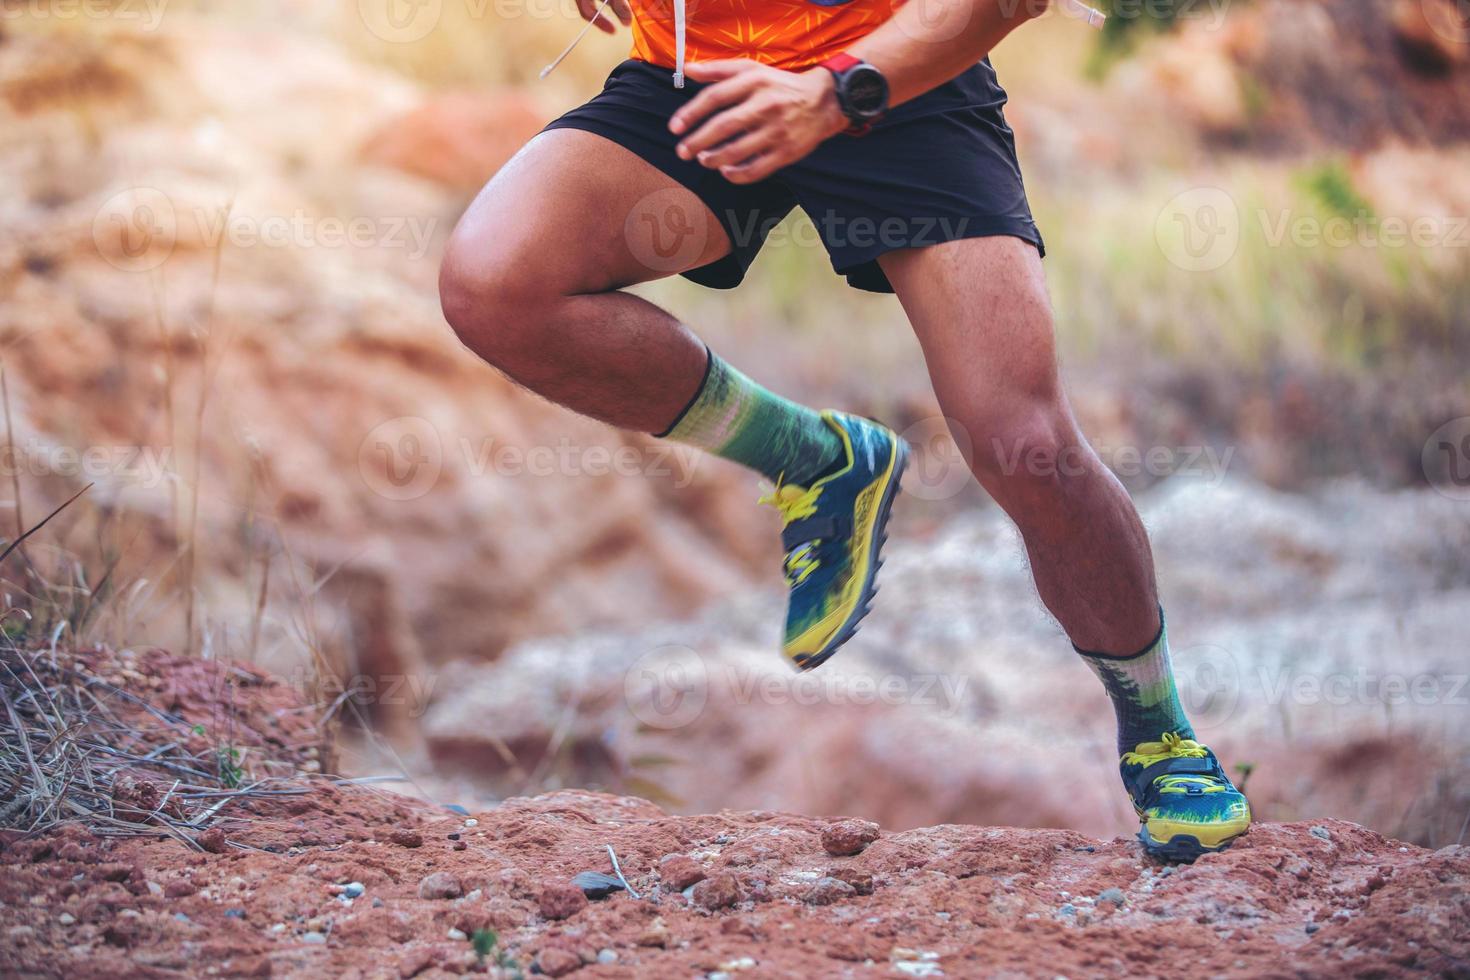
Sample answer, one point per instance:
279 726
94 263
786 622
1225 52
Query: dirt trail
1292 899
339 879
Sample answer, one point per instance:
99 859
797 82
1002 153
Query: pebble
679 872
1312 927
828 890
557 962
1114 895
718 892
846 837
474 895
560 900
66 918
472 822
440 884
353 889
234 913
313 937
155 889
456 934
606 956
1067 910
406 838
1320 833
278 927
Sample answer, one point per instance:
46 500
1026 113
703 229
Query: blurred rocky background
219 233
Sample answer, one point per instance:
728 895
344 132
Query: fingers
737 150
757 168
733 88
588 10
716 71
624 12
719 128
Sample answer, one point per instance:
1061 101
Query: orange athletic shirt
790 34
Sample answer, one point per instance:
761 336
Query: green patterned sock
1145 700
733 417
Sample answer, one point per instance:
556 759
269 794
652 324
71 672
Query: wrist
827 108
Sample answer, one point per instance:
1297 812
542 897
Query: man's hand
755 119
588 10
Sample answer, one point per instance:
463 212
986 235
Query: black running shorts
938 168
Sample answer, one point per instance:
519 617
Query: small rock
718 892
847 837
828 890
179 888
472 822
155 889
234 913
595 884
678 872
606 956
1320 833
406 838
459 845
560 900
558 962
440 884
1066 911
1114 895
353 889
657 934
212 840
181 916
313 937
456 934
861 881
1312 927
66 918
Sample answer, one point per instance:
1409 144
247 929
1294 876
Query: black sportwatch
862 91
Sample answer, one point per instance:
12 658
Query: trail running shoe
1187 804
833 532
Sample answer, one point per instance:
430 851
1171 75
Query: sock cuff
1152 644
709 365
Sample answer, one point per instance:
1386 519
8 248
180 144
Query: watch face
866 90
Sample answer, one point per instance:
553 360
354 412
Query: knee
495 302
1027 443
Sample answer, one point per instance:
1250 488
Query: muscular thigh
576 213
980 310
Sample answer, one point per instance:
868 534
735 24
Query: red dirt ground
261 896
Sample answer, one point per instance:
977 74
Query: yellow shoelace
1174 747
795 503
792 501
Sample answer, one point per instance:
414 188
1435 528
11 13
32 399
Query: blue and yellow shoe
1187 804
833 532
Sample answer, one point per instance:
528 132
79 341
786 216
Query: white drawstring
680 27
575 41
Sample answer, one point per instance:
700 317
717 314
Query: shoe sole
875 562
1184 848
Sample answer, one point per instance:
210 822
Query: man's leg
980 310
531 281
981 313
